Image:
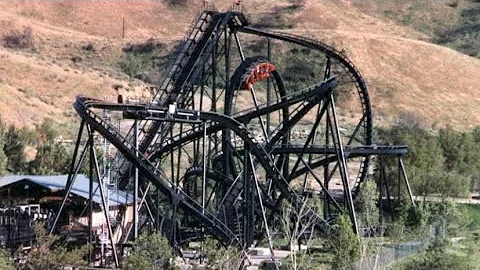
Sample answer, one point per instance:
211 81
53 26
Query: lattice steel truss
235 131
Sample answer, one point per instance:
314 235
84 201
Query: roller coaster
234 133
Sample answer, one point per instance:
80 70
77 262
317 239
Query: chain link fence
387 256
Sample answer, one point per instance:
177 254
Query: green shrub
5 263
344 242
131 65
149 252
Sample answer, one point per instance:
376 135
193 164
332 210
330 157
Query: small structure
25 199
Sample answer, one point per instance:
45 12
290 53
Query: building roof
80 187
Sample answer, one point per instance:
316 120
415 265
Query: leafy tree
446 165
425 152
436 221
368 215
3 157
48 129
447 217
415 217
433 224
366 204
445 184
14 149
136 262
51 158
435 256
460 150
46 254
476 135
345 244
3 161
450 143
85 168
149 252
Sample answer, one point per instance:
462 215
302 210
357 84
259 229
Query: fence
387 256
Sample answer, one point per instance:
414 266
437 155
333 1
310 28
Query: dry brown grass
405 74
426 16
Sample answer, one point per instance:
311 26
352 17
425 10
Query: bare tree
297 223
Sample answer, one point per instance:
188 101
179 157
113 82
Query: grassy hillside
79 48
452 23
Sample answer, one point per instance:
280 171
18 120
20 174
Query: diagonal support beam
72 173
343 164
405 177
104 206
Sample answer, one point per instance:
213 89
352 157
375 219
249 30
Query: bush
89 47
131 65
436 258
19 40
177 2
5 263
142 60
48 253
463 36
220 257
151 45
454 4
149 252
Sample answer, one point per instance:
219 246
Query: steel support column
249 211
90 196
135 186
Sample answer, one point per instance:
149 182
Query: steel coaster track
309 98
354 150
190 72
198 46
329 51
247 115
188 53
189 75
347 64
178 87
84 105
300 111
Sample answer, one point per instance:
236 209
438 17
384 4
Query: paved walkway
469 200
